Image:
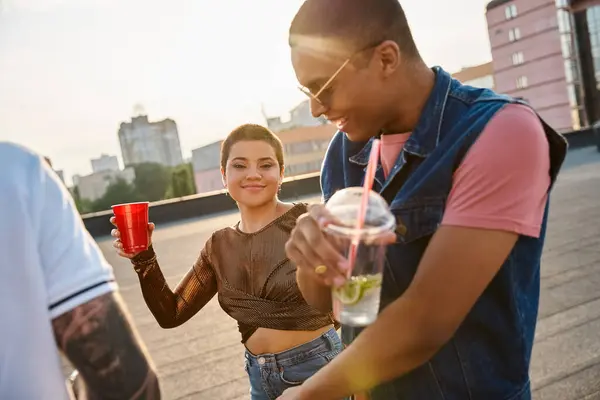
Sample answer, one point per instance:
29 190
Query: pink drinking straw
367 185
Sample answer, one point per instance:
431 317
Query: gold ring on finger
320 269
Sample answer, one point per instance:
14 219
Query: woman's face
252 174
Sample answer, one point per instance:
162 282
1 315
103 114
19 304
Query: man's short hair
358 24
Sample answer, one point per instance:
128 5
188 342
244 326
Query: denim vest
489 355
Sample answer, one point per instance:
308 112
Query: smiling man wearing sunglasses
467 173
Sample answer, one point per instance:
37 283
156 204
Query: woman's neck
253 219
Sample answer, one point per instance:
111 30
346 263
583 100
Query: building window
593 20
517 58
571 72
522 82
514 34
510 11
564 20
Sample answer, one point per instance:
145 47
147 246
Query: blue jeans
271 374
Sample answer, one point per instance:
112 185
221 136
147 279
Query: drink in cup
132 222
356 303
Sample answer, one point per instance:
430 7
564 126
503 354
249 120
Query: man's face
354 100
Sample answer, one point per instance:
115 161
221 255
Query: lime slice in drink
370 281
350 293
354 289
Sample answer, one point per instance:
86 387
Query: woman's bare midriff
270 341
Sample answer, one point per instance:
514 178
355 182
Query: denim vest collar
420 143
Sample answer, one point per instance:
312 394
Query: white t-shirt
49 264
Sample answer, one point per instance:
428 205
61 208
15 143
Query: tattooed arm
53 268
102 344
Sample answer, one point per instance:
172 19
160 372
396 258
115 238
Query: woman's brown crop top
254 279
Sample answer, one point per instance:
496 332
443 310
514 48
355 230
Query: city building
207 169
105 163
305 147
143 141
478 76
92 187
305 139
543 52
299 116
586 20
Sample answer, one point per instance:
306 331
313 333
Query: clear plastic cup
357 302
132 222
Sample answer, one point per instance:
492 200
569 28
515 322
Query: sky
72 70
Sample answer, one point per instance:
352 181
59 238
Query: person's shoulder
20 170
14 150
15 158
222 238
518 127
519 116
288 220
513 142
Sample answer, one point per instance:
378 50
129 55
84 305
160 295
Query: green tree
190 169
151 181
117 192
182 183
84 206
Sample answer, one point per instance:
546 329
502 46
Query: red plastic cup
132 222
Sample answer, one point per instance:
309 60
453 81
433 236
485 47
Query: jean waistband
328 341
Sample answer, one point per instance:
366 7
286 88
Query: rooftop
306 133
496 3
203 359
474 72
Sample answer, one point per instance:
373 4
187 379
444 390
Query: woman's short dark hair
251 132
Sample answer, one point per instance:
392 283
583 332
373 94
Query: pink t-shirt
502 182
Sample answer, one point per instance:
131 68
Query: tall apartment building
299 116
548 53
305 147
105 163
143 141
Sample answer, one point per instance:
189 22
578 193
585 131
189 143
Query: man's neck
415 95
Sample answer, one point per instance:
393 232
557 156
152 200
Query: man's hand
457 266
309 248
318 256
